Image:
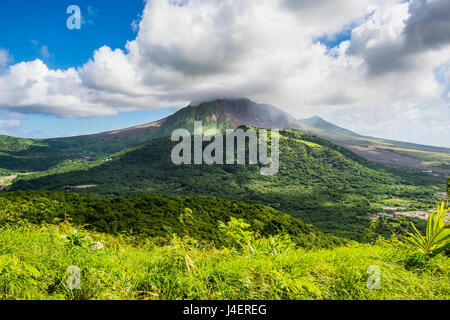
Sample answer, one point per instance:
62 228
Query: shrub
437 238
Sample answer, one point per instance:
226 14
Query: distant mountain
31 155
404 154
318 125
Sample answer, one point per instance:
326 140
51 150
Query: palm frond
437 237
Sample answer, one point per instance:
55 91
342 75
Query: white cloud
31 87
381 82
10 122
320 17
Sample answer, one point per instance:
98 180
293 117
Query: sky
377 67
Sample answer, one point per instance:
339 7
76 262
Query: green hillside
154 216
319 182
32 155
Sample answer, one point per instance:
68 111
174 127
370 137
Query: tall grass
34 264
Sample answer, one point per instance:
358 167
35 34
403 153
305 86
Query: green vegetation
32 155
41 262
154 216
426 156
437 238
319 182
448 187
16 144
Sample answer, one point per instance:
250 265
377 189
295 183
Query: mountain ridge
317 122
17 154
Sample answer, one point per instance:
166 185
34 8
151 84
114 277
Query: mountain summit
222 114
246 112
228 114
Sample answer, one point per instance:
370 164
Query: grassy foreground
34 262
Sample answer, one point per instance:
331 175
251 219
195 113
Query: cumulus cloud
428 25
400 36
266 50
10 122
320 17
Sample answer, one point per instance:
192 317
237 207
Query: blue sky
379 68
45 126
33 25
44 21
